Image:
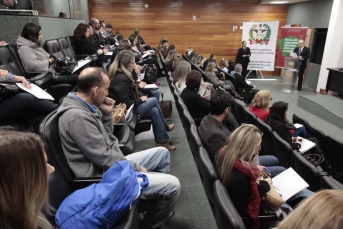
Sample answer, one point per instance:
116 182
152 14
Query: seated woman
225 65
322 210
23 108
260 104
179 77
196 60
237 172
197 106
85 45
135 49
170 59
124 90
211 71
24 181
34 58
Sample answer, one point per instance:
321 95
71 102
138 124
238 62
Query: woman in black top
243 57
87 46
124 90
276 120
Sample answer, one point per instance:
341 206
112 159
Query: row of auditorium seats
223 209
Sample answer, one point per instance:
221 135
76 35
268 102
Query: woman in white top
180 73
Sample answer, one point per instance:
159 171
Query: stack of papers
36 91
151 86
288 183
306 145
82 63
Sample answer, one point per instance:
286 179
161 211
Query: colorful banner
261 38
289 38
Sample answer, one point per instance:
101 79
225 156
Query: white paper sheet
109 54
248 82
289 183
294 55
36 91
297 125
151 86
201 91
146 54
306 145
128 112
82 63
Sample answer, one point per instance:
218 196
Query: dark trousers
244 70
24 108
301 76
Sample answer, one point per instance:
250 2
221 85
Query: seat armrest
84 182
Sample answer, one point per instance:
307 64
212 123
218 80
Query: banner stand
257 71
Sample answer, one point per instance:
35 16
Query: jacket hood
21 41
71 102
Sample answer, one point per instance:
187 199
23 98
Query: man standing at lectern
303 54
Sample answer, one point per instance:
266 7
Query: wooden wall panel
210 33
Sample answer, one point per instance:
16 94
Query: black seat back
283 150
297 119
328 182
335 153
226 214
194 141
187 121
239 109
9 61
66 49
306 170
208 174
249 116
54 48
319 135
72 43
267 145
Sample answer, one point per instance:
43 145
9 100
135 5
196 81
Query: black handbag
8 89
65 65
151 74
166 107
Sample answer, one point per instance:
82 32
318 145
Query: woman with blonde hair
181 71
172 55
23 182
124 90
260 104
322 210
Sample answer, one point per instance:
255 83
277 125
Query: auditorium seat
239 109
249 116
328 182
283 151
126 140
68 50
319 135
335 154
267 145
54 48
187 121
208 174
226 214
194 141
306 170
297 119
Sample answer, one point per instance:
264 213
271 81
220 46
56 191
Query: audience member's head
82 31
193 80
133 40
33 33
196 59
261 99
181 71
109 27
211 67
62 14
95 24
188 51
191 55
172 54
202 62
93 83
213 57
91 31
170 47
321 210
238 68
125 62
225 63
136 32
24 181
221 103
164 43
102 23
121 47
176 61
277 112
243 144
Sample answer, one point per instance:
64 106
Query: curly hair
80 31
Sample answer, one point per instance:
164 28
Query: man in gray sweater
86 127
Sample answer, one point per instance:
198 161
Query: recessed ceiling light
278 2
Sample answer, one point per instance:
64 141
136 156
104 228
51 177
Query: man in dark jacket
85 127
303 54
164 47
140 40
250 90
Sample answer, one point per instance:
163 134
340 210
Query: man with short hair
85 127
214 133
303 54
140 40
241 83
164 47
96 29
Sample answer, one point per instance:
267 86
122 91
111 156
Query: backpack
101 205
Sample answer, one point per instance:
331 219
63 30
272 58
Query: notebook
36 91
306 145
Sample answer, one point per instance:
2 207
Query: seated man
214 133
241 83
164 47
86 127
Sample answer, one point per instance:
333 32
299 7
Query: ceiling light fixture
278 2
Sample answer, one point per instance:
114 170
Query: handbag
65 65
273 199
119 112
101 205
207 94
8 89
166 107
151 74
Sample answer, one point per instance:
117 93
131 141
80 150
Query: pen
268 171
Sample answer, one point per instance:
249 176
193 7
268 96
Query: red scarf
254 198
